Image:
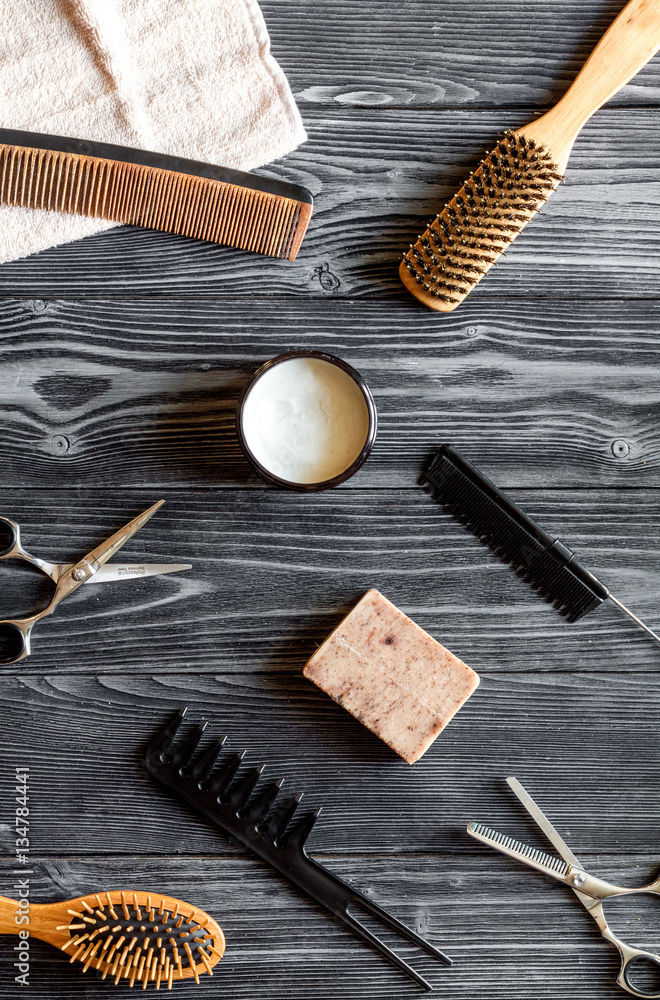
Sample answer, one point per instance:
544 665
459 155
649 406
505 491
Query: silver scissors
67 577
589 890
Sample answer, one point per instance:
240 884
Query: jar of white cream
306 421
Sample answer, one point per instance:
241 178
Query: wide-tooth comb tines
202 767
220 781
199 200
479 223
298 835
276 824
186 750
251 818
241 791
164 740
262 803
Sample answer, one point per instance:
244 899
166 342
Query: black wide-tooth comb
544 562
252 818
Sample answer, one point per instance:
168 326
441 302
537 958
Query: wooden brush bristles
139 938
152 197
474 229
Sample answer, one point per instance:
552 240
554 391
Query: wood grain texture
274 573
121 358
376 181
472 909
585 745
105 393
384 54
629 43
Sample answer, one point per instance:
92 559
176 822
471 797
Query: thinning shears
67 577
591 891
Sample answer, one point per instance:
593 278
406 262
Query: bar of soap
391 675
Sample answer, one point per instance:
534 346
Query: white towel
193 78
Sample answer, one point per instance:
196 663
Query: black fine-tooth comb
544 562
254 819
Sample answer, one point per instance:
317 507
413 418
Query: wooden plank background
122 357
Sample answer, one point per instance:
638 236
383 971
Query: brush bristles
141 940
474 229
154 198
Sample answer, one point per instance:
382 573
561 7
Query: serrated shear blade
531 856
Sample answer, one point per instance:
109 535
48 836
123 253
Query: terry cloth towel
193 78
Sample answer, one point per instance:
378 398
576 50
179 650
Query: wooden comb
130 936
515 180
153 190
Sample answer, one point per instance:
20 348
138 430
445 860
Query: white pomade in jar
305 420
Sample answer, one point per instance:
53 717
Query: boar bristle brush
515 180
544 562
133 937
253 818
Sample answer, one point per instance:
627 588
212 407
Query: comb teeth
261 804
278 824
242 790
474 229
237 214
186 751
299 834
513 537
220 781
201 769
252 818
165 739
229 795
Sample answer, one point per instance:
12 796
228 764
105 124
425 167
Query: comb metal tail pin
252 818
544 562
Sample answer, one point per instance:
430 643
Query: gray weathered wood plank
105 393
509 931
273 573
377 179
585 744
121 358
383 53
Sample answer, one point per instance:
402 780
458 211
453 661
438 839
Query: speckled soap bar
392 676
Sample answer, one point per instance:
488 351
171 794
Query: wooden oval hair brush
131 936
513 181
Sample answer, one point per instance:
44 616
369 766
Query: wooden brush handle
626 46
9 910
43 920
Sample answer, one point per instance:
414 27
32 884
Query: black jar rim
356 464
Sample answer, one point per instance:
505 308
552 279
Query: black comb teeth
250 816
546 564
201 769
261 804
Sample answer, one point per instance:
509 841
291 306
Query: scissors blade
130 571
553 835
85 569
542 820
532 856
106 550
